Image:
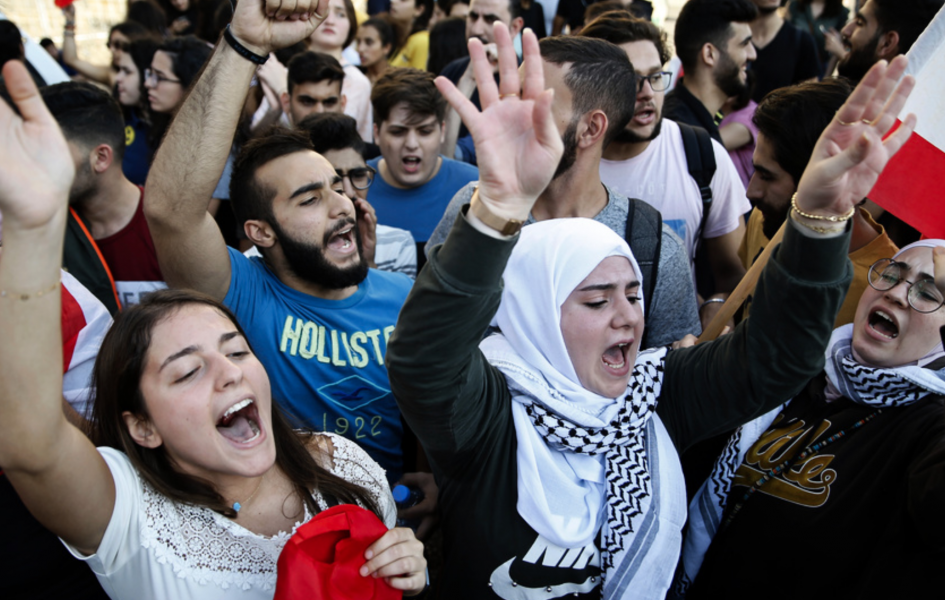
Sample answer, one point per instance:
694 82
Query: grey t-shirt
674 311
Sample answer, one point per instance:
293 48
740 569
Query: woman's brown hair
116 380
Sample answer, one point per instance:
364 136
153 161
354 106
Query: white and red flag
912 187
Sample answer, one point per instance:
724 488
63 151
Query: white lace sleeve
353 464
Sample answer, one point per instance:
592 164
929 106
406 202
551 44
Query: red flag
64 3
911 187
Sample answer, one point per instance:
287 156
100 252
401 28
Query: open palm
517 144
36 167
851 152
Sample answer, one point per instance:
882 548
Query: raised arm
190 248
53 467
70 56
436 370
772 355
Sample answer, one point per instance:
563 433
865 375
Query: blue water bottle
405 497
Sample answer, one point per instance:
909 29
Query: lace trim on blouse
206 547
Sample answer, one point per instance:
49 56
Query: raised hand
36 167
851 152
367 228
267 25
517 144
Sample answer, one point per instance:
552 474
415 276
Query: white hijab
900 386
561 494
938 351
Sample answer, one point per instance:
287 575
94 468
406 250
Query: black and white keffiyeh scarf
583 467
894 387
620 442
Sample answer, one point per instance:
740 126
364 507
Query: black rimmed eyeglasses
658 81
361 178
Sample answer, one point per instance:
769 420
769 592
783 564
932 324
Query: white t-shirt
660 177
156 549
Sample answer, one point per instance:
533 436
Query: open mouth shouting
615 358
341 238
883 324
240 423
411 164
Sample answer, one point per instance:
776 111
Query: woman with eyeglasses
133 97
119 36
555 441
854 464
175 65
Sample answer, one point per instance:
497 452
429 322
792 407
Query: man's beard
570 150
773 218
307 261
83 184
727 76
766 10
857 62
628 136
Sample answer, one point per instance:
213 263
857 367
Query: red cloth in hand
322 559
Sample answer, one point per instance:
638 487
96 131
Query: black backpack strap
700 159
644 234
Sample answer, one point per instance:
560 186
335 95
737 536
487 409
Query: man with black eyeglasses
714 45
648 160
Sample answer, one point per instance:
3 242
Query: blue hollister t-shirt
325 358
419 209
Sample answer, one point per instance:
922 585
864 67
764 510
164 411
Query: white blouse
155 548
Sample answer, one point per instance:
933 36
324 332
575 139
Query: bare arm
727 268
734 136
70 56
190 248
466 85
54 468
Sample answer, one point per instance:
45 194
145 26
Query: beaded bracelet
243 50
818 229
24 297
832 218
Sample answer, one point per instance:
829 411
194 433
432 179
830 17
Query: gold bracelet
506 227
818 229
832 218
24 297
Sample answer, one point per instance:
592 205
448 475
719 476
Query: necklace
789 463
237 506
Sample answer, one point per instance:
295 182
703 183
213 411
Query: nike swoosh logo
505 588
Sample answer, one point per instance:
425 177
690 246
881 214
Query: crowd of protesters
425 286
